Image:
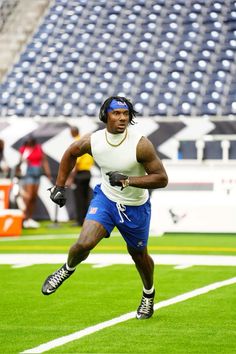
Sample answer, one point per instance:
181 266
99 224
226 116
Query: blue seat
192 86
160 109
4 97
166 97
212 96
184 109
51 98
155 66
176 76
209 108
91 109
189 97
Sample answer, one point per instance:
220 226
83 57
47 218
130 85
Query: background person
80 177
129 167
33 157
4 168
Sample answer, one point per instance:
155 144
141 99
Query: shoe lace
146 305
58 277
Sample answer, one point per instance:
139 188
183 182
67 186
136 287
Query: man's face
117 120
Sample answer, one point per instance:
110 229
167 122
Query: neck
115 139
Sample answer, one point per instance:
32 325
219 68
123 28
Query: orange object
11 222
5 187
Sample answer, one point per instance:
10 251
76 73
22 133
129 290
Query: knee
33 199
82 247
137 257
141 258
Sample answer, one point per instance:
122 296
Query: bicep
80 147
147 156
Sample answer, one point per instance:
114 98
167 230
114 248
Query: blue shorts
133 222
30 180
32 176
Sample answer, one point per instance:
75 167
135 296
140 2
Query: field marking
104 259
95 328
48 237
99 247
36 237
12 247
114 248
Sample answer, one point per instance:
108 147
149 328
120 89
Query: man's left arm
156 176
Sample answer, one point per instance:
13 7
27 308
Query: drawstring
121 210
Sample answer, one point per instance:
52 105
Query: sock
70 268
148 291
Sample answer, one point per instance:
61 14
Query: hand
117 179
58 195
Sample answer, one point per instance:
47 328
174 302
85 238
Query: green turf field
95 294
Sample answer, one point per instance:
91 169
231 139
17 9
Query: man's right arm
76 149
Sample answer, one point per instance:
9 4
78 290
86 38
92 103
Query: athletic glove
116 177
58 195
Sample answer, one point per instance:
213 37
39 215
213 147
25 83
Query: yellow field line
117 248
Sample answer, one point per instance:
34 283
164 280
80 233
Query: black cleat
55 280
145 309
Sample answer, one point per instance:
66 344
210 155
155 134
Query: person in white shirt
129 167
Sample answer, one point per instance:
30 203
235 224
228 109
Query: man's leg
145 266
92 232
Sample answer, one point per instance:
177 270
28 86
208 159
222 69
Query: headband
116 105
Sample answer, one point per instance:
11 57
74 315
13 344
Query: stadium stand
18 20
173 57
6 8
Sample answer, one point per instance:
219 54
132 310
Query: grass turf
204 324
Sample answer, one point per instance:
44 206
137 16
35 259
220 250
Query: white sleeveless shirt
120 158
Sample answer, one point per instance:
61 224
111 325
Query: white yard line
37 237
98 327
48 237
105 259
